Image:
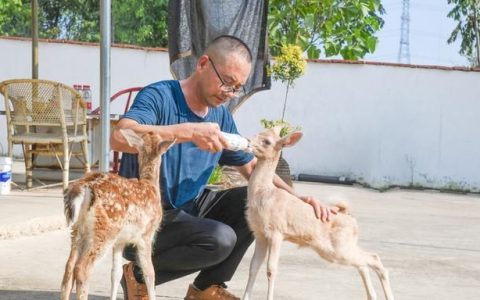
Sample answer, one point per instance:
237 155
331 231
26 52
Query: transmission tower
404 50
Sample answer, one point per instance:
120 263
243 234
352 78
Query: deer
110 211
274 215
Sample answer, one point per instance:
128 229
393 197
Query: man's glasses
237 91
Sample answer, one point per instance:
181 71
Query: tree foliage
69 19
334 27
338 27
467 15
289 65
141 22
15 18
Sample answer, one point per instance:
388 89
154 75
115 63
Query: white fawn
109 211
275 215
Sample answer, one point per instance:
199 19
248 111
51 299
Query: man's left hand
322 211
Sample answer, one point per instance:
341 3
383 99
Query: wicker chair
46 118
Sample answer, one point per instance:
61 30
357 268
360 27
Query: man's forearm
181 132
278 182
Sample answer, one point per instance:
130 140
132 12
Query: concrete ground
428 240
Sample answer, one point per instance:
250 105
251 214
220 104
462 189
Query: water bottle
236 142
5 174
87 96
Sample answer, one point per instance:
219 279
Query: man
201 230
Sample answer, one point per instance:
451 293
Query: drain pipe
325 179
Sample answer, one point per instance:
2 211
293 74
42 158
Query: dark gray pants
209 235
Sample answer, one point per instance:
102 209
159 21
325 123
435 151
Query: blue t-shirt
185 168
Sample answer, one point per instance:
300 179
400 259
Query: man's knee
223 241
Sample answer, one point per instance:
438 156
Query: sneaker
132 289
213 292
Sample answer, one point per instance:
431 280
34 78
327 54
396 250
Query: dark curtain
194 23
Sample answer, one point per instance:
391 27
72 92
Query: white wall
382 125
80 63
379 124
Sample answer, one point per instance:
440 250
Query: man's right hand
208 137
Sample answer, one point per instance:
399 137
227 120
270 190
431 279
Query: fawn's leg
116 273
257 260
360 260
67 282
367 282
84 265
144 252
272 263
375 263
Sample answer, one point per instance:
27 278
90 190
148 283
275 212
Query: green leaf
466 13
371 44
313 52
365 10
216 176
346 27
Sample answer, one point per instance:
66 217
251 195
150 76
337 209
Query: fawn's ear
165 145
290 139
132 138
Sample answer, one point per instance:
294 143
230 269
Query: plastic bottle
87 96
236 142
5 174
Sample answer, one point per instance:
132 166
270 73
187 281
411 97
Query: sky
429 31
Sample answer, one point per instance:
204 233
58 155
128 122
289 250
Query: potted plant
288 67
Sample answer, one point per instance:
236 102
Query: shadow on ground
42 177
39 295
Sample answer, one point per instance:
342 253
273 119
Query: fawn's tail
342 207
76 201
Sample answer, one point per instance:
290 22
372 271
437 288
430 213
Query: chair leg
86 155
10 149
27 154
66 165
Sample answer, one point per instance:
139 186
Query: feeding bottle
236 142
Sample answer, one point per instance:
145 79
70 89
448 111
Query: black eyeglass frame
225 87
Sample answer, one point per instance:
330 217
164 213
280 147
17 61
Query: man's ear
290 139
132 138
202 62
